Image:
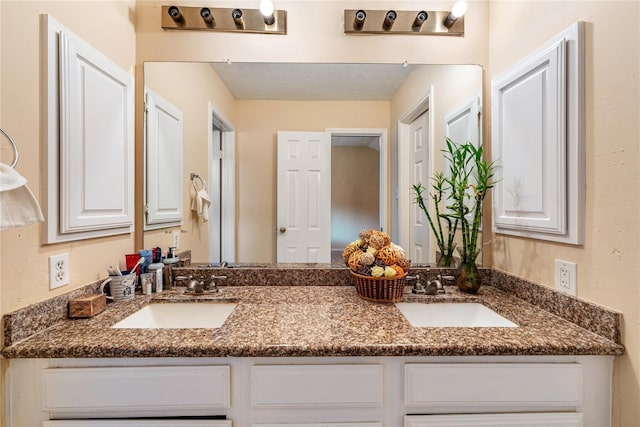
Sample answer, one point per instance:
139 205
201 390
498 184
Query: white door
304 197
419 174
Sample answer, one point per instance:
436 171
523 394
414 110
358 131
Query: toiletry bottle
156 269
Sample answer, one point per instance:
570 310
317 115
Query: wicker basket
379 289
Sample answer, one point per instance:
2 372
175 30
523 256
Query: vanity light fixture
457 11
175 14
265 20
389 19
236 14
419 22
420 18
206 15
266 8
358 20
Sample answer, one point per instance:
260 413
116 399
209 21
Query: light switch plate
566 277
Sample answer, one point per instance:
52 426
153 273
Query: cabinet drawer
320 425
300 386
136 388
137 423
558 419
493 384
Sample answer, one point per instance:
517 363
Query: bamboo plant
447 246
470 179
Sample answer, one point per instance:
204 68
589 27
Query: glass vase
445 258
468 277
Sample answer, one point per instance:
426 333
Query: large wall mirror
233 115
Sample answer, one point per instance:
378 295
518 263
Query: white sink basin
178 315
461 315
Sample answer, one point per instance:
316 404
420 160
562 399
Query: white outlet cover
58 270
566 277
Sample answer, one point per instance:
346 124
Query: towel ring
14 147
193 181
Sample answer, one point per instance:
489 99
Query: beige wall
106 25
257 124
190 86
608 267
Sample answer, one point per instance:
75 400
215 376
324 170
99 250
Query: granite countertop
315 321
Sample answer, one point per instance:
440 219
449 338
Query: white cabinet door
163 144
96 143
304 197
529 138
537 126
559 419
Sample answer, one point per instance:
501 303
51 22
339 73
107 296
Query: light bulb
266 7
459 8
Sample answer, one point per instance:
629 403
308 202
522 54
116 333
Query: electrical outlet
176 239
58 270
566 277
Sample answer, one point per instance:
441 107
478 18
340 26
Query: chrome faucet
433 287
212 285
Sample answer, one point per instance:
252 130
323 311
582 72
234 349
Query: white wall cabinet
566 391
89 139
537 122
163 163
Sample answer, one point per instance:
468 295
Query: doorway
222 215
359 185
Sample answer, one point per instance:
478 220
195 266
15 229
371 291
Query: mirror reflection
239 123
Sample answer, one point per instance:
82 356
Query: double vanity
309 352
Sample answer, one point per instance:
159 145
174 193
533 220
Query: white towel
200 202
18 206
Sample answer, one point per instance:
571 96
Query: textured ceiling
287 81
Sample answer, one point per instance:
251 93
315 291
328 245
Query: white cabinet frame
88 139
538 132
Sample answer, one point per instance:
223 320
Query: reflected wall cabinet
163 162
89 139
538 142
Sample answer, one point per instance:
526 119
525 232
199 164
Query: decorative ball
361 243
348 250
377 271
398 269
365 234
403 263
354 260
367 259
388 255
379 263
371 250
379 239
365 270
399 249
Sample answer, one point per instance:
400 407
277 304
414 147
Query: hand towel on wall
200 202
18 206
